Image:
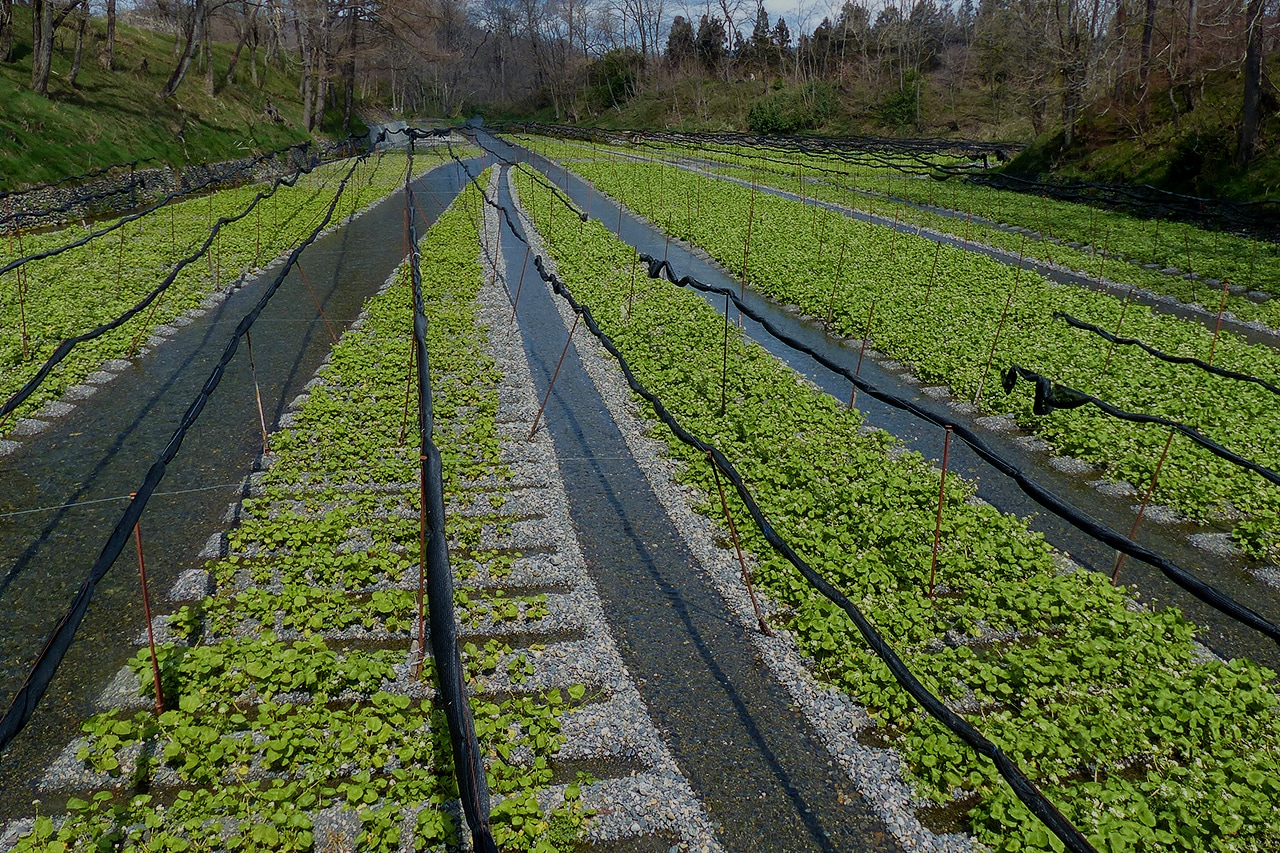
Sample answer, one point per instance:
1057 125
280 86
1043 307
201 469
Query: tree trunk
184 61
1121 28
349 70
320 89
1251 114
244 37
306 82
206 43
41 45
6 30
253 55
1148 32
81 26
109 52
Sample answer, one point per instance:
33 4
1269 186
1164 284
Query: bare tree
193 28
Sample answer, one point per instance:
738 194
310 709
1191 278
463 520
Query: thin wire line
118 498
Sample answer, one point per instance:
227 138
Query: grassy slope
113 117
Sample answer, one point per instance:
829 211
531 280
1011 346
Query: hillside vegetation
116 116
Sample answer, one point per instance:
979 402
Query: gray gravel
657 799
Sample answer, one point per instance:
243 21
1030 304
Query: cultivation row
65 295
1173 248
297 716
1146 253
959 319
290 690
1140 740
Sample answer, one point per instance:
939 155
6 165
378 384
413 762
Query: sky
807 12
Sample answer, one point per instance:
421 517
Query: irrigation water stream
86 463
1221 634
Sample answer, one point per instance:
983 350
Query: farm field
310 702
959 320
1192 264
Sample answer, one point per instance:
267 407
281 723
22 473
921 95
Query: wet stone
7 447
55 409
963 407
1218 544
1114 488
116 364
80 392
1269 575
192 585
1259 296
1032 444
99 377
1070 465
998 423
1162 515
28 426
937 392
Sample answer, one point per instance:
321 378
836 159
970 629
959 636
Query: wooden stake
835 282
853 393
1120 558
257 393
1124 309
724 358
554 375
937 524
733 532
1217 326
146 612
937 250
1000 328
515 303
422 557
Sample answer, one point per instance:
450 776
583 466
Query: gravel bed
875 772
657 800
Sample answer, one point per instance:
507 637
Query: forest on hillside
1190 71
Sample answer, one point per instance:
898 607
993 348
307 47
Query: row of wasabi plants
1142 743
950 313
292 700
1151 253
44 302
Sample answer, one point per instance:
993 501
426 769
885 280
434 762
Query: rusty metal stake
146 612
937 524
742 561
547 396
1120 557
